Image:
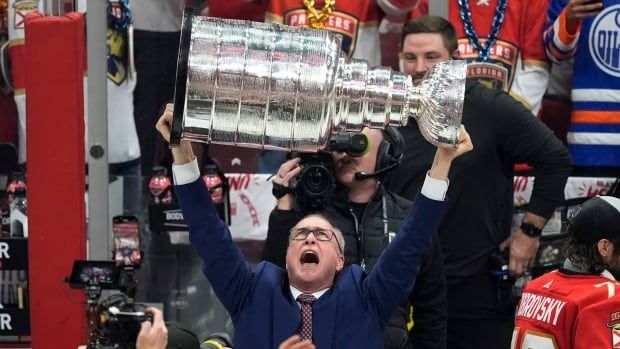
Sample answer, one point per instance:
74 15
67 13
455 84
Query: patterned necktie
305 328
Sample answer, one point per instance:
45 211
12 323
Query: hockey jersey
517 62
356 21
598 326
594 134
123 144
551 305
252 10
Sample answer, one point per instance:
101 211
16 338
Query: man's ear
340 263
605 248
456 54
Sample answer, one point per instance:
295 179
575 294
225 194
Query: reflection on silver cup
277 87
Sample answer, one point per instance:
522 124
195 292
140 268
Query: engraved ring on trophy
272 86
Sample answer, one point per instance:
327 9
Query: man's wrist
286 203
573 26
434 189
183 153
279 190
530 230
185 173
440 169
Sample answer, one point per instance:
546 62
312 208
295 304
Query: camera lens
316 180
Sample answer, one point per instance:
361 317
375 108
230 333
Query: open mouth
309 257
417 79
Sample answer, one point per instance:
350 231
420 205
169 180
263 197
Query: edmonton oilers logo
604 40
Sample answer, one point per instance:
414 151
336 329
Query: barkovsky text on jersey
540 308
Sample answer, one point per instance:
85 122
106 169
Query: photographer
368 216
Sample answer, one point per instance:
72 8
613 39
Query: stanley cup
272 86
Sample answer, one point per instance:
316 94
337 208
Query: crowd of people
454 296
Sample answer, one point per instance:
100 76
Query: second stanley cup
273 86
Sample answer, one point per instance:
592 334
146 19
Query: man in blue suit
351 308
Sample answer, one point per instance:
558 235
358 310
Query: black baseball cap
598 218
179 337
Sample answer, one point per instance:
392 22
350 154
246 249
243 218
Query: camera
116 321
316 183
119 321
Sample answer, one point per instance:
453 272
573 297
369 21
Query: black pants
156 57
477 317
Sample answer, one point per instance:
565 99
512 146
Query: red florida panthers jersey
598 326
552 304
252 10
357 21
517 62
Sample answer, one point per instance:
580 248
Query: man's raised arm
223 263
392 278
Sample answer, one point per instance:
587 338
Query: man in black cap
553 305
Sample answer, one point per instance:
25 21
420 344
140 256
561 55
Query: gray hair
337 232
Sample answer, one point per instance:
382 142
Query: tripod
94 335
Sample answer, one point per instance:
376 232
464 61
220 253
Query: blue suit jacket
351 314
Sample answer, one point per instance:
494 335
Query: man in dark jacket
368 215
478 223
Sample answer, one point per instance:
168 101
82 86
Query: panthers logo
338 22
117 56
614 325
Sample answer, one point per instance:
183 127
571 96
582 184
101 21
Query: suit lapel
286 315
324 318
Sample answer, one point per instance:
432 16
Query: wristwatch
279 190
530 230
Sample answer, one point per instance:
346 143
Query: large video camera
315 184
120 320
116 321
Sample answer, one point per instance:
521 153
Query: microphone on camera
360 176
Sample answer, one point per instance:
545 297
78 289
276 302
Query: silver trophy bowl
271 86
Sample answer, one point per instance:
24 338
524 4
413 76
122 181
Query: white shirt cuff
434 189
186 173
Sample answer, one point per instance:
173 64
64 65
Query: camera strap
384 216
278 190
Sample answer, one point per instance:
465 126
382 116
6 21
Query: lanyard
498 19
